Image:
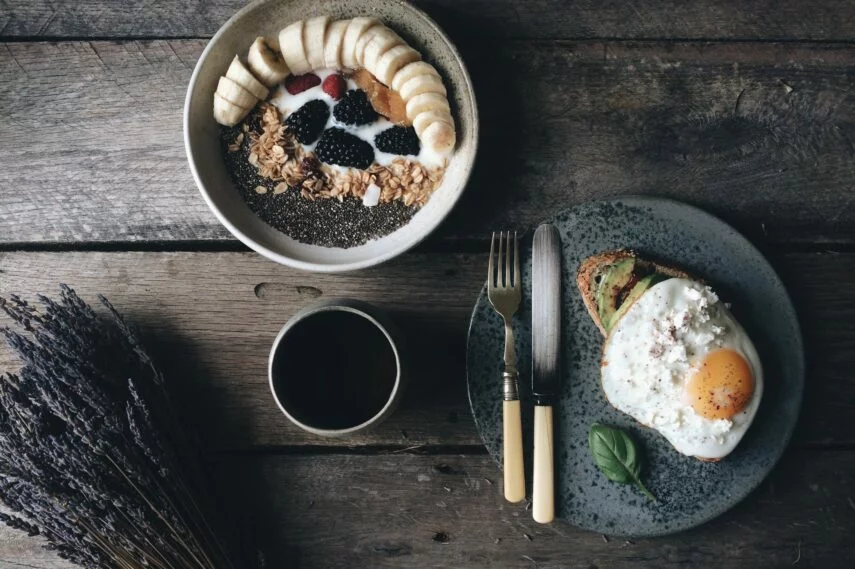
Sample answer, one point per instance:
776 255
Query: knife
545 343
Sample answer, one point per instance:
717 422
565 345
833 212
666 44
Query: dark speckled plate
690 492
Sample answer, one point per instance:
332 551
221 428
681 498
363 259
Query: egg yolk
722 386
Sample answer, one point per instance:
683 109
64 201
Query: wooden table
745 108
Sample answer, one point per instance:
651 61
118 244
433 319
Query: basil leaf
616 456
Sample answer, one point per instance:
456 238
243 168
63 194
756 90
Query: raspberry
308 121
355 109
309 165
298 83
334 86
401 140
339 147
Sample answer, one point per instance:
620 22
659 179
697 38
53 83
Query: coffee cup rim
373 315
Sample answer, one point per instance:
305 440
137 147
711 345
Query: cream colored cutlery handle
543 495
513 452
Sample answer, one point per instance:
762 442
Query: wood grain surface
760 134
831 20
447 511
410 511
744 108
211 318
20 551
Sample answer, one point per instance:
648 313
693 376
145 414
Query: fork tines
504 274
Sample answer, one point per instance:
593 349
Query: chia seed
324 222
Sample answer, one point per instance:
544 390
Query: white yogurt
288 103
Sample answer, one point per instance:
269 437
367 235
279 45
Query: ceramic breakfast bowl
205 154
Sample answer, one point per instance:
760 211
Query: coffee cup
336 367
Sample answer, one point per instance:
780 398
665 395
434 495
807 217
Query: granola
280 158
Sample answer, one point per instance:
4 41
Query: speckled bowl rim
330 267
787 305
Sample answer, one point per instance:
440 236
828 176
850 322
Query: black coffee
334 370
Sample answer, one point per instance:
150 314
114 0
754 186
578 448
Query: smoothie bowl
330 136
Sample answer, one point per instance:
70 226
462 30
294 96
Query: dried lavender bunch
91 453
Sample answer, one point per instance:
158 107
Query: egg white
651 353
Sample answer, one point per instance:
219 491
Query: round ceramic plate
689 492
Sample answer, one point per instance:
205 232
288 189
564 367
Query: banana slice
266 62
424 120
235 94
426 102
422 84
242 76
393 60
411 70
440 136
314 38
355 29
382 40
292 48
362 42
333 43
226 113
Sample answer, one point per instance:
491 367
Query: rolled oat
277 157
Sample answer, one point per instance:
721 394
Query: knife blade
545 350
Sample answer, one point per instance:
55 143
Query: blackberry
308 121
355 109
339 147
401 140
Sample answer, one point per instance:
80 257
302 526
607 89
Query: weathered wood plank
18 551
93 146
401 511
211 317
584 19
822 299
93 130
398 511
759 135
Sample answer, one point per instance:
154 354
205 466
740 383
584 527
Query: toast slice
590 275
594 268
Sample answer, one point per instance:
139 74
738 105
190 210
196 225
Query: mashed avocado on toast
612 281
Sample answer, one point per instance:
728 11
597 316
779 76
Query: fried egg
680 363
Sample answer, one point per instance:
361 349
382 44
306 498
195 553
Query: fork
503 291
